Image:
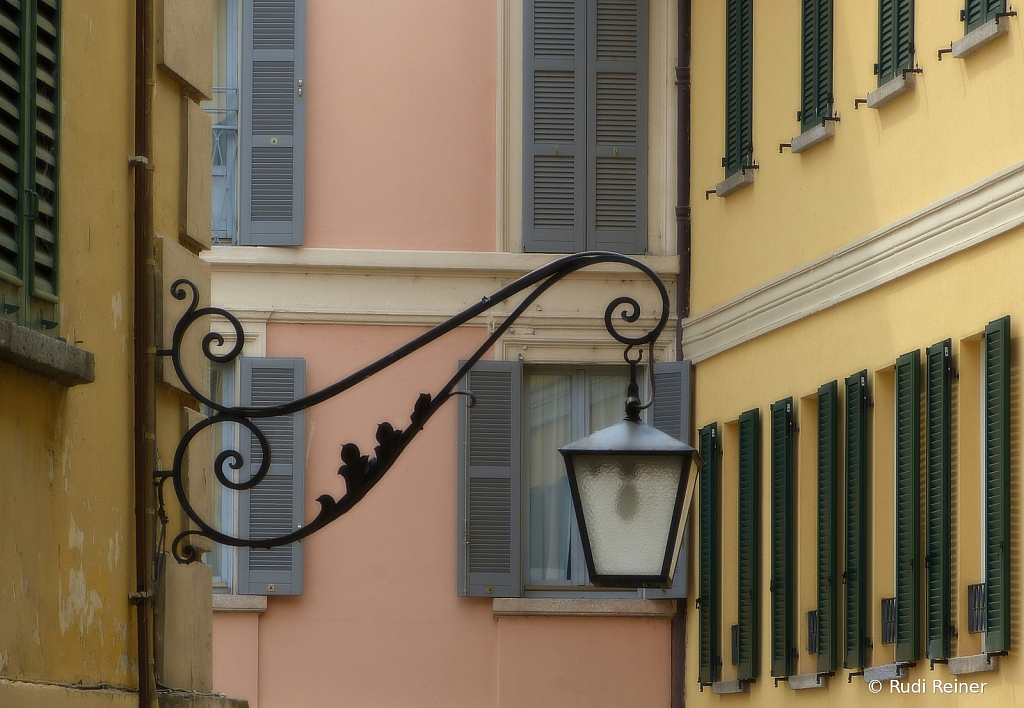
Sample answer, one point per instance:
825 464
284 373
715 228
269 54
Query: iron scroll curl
361 472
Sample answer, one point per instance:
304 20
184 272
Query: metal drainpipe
678 642
143 357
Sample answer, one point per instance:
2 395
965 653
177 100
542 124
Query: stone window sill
978 38
975 664
734 182
813 136
721 688
225 602
571 607
903 83
885 672
46 356
805 681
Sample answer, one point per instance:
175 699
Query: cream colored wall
952 130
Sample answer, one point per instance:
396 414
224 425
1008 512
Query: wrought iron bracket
360 472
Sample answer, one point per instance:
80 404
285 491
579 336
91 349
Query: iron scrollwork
361 472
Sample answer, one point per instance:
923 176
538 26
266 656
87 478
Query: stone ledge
725 687
978 38
974 664
45 356
734 183
903 83
813 136
885 672
572 607
805 681
226 602
188 699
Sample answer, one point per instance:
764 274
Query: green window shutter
939 456
749 546
710 555
978 12
490 487
274 507
12 108
617 126
671 415
783 558
828 537
895 38
908 506
739 84
554 124
816 63
997 484
858 562
272 122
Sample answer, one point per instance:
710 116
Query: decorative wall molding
967 218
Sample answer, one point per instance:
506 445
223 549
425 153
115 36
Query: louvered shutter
828 540
710 557
490 481
857 500
978 12
895 38
671 415
739 84
272 125
274 507
749 546
783 558
816 65
939 456
996 401
908 506
11 139
617 126
42 207
554 126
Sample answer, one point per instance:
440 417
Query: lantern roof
628 437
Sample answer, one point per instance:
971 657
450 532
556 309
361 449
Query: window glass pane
550 421
607 399
223 109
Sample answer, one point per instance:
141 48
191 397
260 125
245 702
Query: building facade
420 157
855 334
106 183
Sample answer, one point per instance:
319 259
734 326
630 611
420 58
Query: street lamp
631 487
640 471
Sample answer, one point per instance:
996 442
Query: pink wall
380 623
236 643
400 116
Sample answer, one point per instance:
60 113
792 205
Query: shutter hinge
300 89
31 204
876 69
963 15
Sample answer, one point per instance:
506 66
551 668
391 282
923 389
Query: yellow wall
954 130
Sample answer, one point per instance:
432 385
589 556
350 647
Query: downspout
143 354
678 641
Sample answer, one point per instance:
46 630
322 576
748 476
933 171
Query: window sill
734 183
569 607
975 664
46 356
885 672
813 136
720 688
903 83
978 38
224 602
806 681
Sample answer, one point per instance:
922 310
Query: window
517 528
739 71
585 126
29 124
895 38
816 64
978 12
259 122
275 506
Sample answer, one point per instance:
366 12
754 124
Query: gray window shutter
908 507
617 126
858 562
671 415
554 126
749 552
272 122
939 459
275 506
490 486
783 558
828 531
710 541
996 444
